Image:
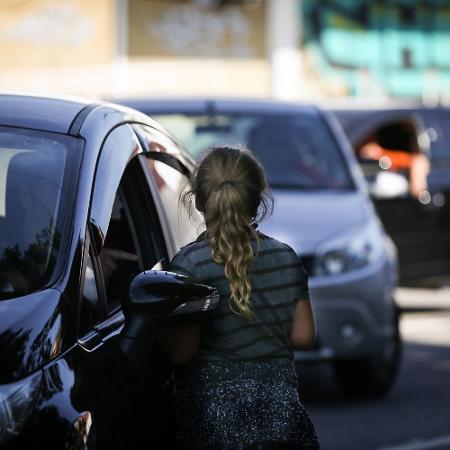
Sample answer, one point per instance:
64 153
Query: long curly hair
231 191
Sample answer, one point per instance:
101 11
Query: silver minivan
323 211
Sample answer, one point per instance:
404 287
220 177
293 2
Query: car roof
46 113
216 105
358 107
362 103
356 116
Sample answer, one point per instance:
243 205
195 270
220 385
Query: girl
235 383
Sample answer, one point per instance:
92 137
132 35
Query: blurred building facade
292 49
398 48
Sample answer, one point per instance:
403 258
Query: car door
418 225
438 132
126 237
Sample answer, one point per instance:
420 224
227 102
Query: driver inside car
414 164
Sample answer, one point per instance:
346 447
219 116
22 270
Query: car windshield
297 151
34 188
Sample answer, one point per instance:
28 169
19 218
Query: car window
35 203
297 151
119 257
171 181
119 148
123 215
171 184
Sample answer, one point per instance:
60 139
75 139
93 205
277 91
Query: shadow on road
416 408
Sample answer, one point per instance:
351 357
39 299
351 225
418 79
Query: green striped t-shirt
278 281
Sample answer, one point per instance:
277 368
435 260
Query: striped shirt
278 281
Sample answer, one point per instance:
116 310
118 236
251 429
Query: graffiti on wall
183 28
398 44
64 24
175 29
55 33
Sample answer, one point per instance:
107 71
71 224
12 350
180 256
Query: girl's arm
303 334
180 343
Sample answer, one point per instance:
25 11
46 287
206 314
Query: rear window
34 192
297 152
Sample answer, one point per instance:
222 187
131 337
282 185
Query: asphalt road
415 415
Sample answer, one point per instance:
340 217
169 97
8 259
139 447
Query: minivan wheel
372 377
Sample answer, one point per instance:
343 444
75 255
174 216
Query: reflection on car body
82 215
322 210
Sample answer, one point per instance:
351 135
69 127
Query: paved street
416 413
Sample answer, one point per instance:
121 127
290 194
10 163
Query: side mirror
389 185
157 298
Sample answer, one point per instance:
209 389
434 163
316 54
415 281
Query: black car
419 225
88 219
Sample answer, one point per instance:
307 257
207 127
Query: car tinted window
119 256
34 192
297 151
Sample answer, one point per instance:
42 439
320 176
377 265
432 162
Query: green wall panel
397 41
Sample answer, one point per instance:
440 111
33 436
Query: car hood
304 220
30 333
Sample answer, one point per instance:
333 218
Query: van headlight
16 405
350 251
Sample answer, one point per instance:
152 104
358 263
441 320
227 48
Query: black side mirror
155 298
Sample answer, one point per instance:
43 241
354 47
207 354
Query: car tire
371 377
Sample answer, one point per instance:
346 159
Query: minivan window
297 151
33 196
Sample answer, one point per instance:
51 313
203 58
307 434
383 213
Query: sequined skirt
224 405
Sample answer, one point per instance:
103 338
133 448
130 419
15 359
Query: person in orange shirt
416 164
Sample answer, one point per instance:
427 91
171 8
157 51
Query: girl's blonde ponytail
230 190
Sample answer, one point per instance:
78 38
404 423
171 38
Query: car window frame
101 200
98 332
89 251
143 195
174 158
